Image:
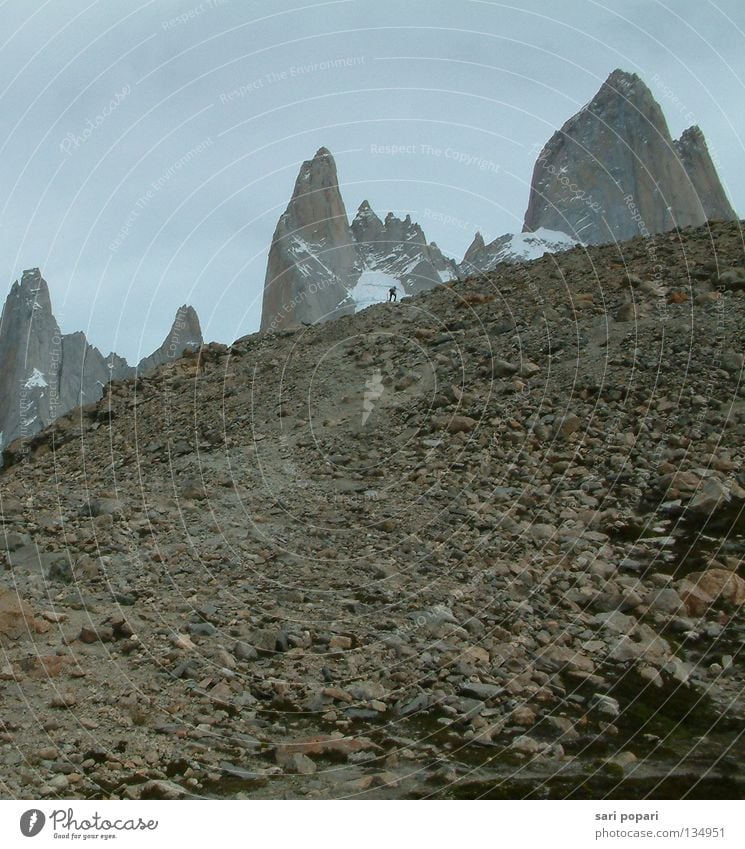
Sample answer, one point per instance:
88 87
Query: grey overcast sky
149 147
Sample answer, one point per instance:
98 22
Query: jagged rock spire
312 254
185 333
613 171
694 154
45 373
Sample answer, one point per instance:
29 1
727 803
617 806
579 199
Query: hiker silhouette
392 294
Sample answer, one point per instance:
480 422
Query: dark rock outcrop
613 171
31 348
512 248
474 249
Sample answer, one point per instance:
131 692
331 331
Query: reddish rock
701 590
322 744
16 618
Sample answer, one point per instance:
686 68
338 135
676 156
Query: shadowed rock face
312 255
694 154
474 249
44 373
613 171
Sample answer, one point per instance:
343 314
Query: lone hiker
392 294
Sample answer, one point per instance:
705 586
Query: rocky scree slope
446 547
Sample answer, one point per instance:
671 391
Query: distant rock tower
613 171
312 256
45 373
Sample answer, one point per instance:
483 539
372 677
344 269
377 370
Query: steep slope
613 171
694 154
312 255
448 549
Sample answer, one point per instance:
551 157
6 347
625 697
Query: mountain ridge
45 373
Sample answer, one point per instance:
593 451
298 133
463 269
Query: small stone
523 715
605 705
479 690
244 651
623 759
295 762
525 745
628 312
528 369
569 424
502 368
461 424
64 700
105 506
59 783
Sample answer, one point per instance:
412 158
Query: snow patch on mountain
372 288
36 379
514 247
530 246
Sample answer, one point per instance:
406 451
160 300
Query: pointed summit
612 171
31 355
44 373
312 244
366 227
694 154
185 334
474 248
